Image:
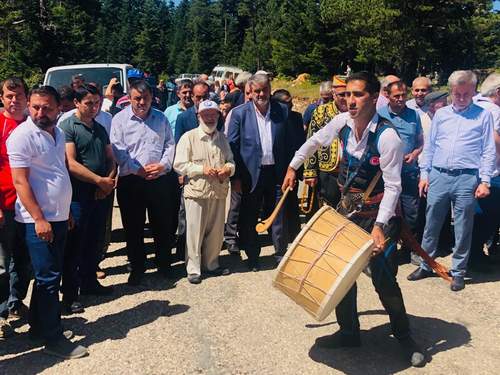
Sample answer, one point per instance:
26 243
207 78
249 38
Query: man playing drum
371 149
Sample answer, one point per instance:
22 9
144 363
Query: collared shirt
172 113
488 104
409 128
90 146
389 145
102 118
461 140
31 147
138 142
266 135
197 149
412 104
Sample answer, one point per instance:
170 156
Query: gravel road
239 324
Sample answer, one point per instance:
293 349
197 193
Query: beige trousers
204 233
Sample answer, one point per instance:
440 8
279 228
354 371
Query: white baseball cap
208 104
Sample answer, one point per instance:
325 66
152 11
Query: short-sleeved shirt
90 144
409 128
31 147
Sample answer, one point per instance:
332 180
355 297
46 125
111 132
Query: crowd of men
423 161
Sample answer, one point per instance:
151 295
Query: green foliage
320 37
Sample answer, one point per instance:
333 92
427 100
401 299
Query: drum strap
321 252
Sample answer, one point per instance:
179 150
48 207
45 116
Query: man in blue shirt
144 149
184 92
407 122
458 163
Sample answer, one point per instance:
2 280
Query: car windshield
101 76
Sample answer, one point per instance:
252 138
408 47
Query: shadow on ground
380 353
109 327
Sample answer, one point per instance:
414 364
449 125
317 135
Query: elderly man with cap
420 88
205 158
322 167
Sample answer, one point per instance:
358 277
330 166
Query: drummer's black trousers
383 269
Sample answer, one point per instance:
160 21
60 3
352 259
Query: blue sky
496 5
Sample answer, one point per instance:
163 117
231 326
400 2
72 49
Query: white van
99 73
224 72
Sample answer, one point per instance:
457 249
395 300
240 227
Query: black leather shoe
194 279
457 283
219 271
233 249
419 274
72 308
413 352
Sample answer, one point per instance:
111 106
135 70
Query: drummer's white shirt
389 145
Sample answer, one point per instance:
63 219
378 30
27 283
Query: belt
457 172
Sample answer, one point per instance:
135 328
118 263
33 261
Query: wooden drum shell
323 262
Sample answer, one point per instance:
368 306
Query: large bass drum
323 262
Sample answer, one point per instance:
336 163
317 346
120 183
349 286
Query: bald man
420 87
383 98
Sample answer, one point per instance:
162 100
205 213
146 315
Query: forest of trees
286 37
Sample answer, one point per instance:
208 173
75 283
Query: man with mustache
37 157
14 257
262 144
203 155
371 146
407 122
144 149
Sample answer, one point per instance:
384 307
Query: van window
101 76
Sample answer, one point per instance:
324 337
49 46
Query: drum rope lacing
322 251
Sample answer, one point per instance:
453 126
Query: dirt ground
239 324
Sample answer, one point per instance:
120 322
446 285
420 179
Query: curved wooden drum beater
265 224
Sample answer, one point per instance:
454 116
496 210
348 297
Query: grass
305 90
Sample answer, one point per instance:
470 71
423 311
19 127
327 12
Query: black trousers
233 215
136 196
383 272
82 252
266 194
485 225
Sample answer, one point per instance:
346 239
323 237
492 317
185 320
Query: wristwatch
487 184
379 224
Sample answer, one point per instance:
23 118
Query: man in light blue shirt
144 150
407 122
457 166
184 92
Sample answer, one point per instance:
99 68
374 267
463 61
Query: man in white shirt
262 145
37 157
371 146
420 88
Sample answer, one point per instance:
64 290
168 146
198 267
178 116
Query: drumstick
265 224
